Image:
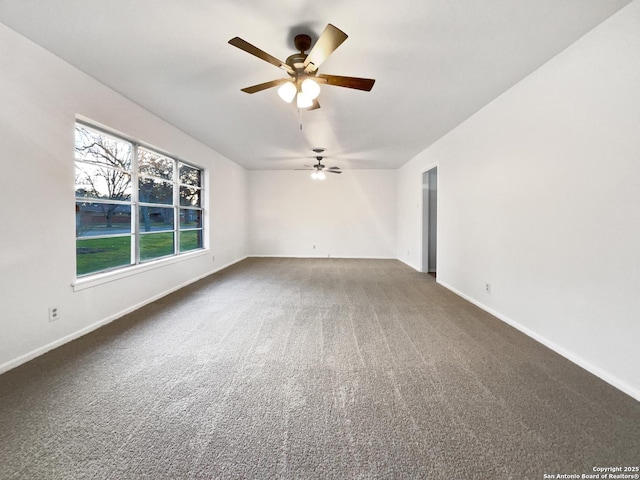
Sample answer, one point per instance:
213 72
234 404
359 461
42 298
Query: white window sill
102 278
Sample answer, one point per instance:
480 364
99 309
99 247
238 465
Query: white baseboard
90 328
323 256
409 265
581 362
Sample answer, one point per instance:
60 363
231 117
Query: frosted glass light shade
314 175
287 91
310 88
304 101
321 176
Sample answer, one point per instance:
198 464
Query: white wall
40 96
348 215
539 194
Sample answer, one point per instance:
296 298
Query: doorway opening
430 221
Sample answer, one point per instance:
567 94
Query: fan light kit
304 80
305 94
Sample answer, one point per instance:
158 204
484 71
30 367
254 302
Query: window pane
190 240
155 245
163 195
96 254
189 197
153 219
102 219
96 181
155 191
190 218
151 163
96 147
189 175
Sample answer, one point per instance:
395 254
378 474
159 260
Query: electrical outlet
54 314
487 287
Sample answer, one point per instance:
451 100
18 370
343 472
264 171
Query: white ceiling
436 62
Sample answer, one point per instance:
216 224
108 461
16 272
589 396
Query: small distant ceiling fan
304 79
318 168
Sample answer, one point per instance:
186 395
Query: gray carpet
310 368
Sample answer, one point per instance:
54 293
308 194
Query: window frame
137 263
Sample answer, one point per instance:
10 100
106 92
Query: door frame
423 215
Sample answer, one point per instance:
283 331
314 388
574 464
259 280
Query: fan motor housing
302 43
296 61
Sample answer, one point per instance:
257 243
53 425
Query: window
133 204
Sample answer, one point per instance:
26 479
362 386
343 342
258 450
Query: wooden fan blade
265 85
256 52
333 171
315 105
308 169
348 82
330 39
334 168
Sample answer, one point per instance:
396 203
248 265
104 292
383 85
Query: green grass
156 245
97 254
100 254
190 240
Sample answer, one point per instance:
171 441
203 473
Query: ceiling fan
317 168
304 79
